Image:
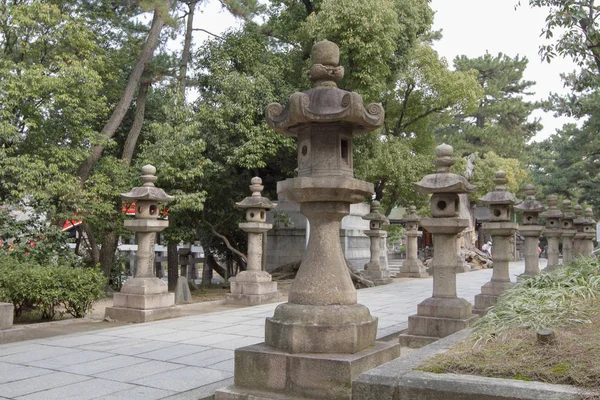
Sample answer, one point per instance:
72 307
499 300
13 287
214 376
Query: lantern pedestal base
412 269
379 277
490 292
137 316
250 288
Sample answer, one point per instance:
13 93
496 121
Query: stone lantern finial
530 191
500 180
444 159
256 186
578 210
325 70
148 175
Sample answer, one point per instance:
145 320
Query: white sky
469 27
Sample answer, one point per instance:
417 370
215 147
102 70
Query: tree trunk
123 105
93 246
185 57
107 252
214 265
172 266
138 122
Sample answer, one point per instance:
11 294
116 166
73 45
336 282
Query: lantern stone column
530 229
254 286
553 232
568 232
444 313
321 339
501 230
589 233
145 297
412 267
578 223
375 269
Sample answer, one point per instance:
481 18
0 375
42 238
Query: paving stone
138 393
75 341
111 344
227 365
39 383
105 364
235 343
172 352
12 372
184 379
206 358
144 347
72 357
138 371
85 390
36 353
210 340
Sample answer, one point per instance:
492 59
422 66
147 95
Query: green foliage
554 299
47 287
395 233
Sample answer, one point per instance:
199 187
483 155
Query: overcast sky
469 27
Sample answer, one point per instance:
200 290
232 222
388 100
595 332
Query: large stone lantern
375 270
444 313
145 297
553 232
412 267
318 341
589 233
531 230
568 231
502 230
578 222
254 286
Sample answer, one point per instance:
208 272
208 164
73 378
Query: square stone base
378 276
252 299
262 372
143 301
423 330
412 269
138 316
6 315
483 302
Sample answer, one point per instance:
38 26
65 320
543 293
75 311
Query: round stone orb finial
578 210
500 180
375 206
530 191
566 205
552 201
256 186
412 209
326 53
589 213
444 159
148 175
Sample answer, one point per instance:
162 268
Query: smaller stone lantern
531 230
589 232
412 267
145 297
375 270
553 231
568 231
254 286
578 222
502 230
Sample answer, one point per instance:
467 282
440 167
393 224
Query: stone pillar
589 233
318 341
375 269
444 313
553 232
183 295
145 297
412 267
578 222
568 232
502 230
530 229
254 286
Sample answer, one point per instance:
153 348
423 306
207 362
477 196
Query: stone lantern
568 231
145 297
444 313
318 341
412 267
553 231
578 222
502 230
530 229
375 270
589 232
254 286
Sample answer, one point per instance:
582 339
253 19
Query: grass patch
503 343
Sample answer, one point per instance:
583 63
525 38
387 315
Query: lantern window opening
344 150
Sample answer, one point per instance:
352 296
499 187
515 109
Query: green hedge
47 287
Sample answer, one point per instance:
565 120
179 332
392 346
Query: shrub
47 287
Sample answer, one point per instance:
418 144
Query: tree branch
210 33
409 90
226 241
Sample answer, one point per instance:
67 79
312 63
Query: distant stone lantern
375 270
444 313
145 297
502 230
254 286
530 229
553 231
578 223
568 231
412 267
589 231
318 341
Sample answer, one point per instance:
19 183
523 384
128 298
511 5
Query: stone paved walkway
183 358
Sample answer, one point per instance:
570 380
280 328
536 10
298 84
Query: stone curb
397 380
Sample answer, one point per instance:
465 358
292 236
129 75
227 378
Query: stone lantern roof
530 204
499 196
444 181
147 191
256 200
375 214
325 102
552 211
412 215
